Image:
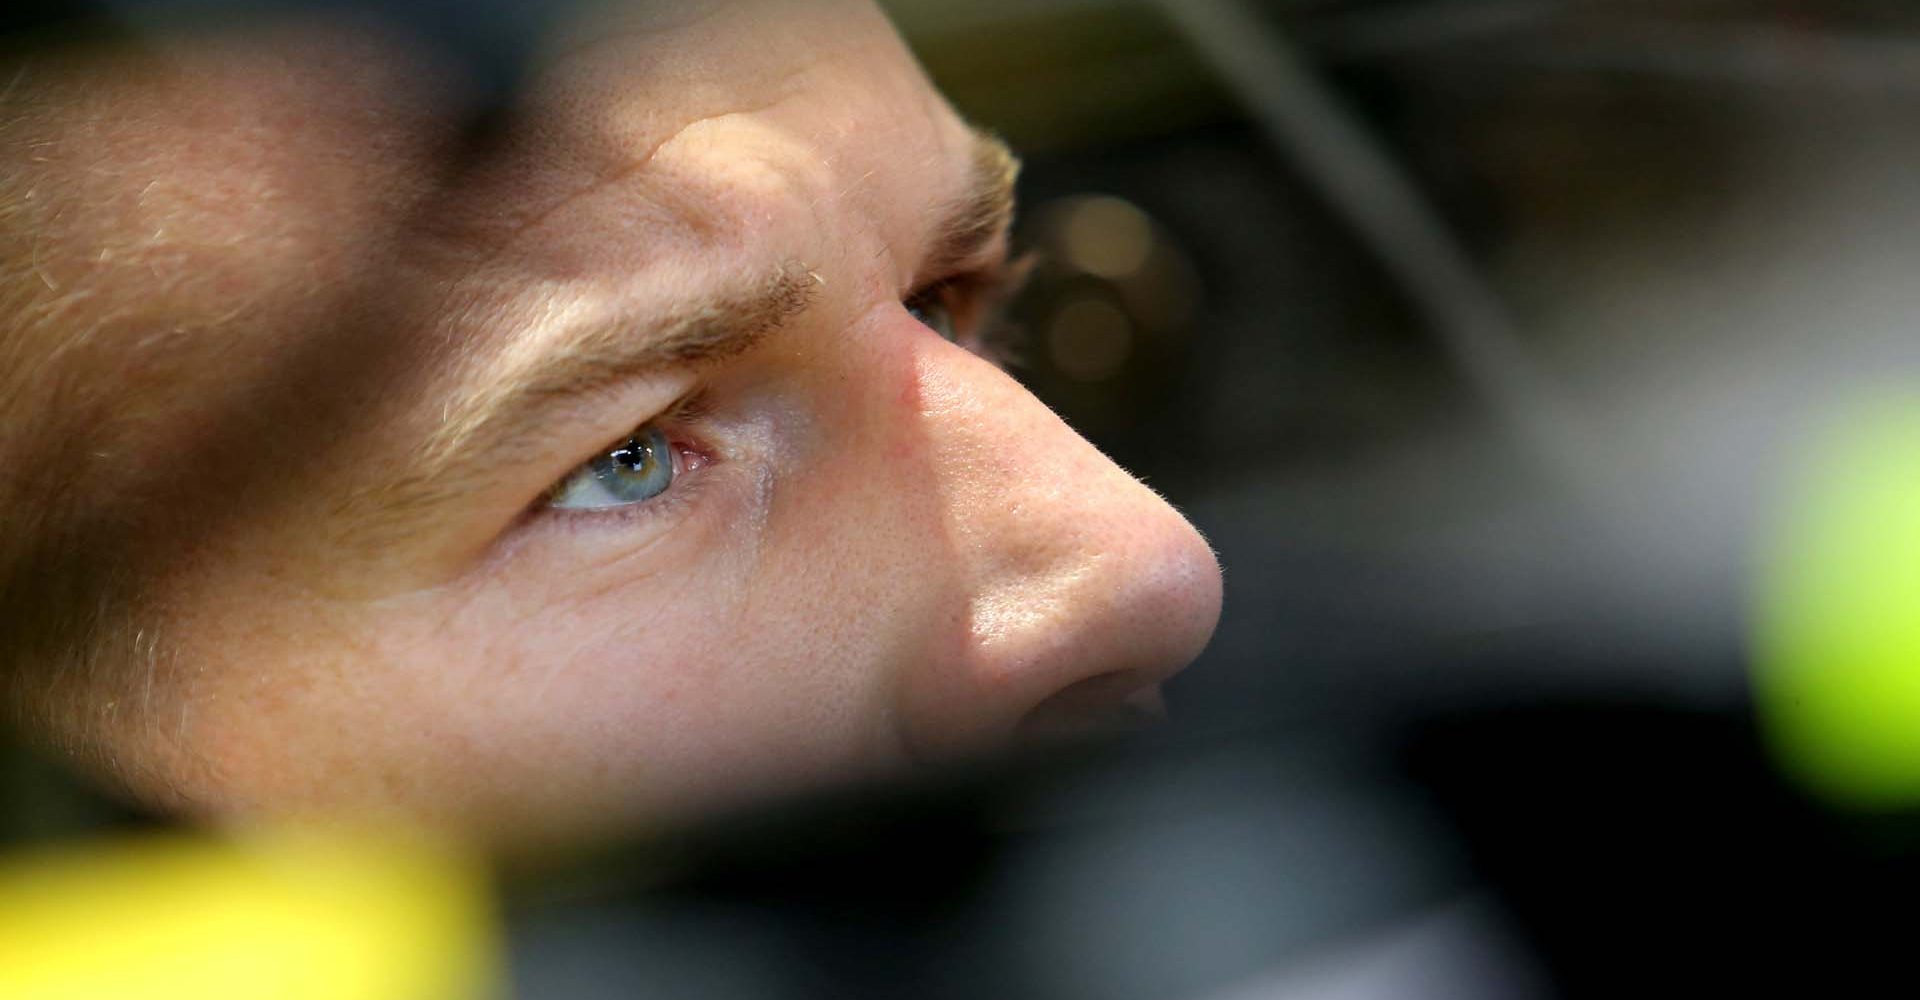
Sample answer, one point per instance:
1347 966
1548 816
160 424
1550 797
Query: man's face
607 468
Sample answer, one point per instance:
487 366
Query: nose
1084 589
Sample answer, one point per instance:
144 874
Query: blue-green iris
633 472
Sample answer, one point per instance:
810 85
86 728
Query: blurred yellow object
1838 637
288 917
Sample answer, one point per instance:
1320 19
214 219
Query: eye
933 312
968 310
634 472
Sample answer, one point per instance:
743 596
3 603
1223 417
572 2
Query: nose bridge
1080 579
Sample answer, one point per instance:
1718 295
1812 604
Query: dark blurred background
1482 338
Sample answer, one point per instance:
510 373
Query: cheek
589 677
646 701
754 653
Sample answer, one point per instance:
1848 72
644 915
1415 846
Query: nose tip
1079 644
1143 616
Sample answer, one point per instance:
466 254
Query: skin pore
301 368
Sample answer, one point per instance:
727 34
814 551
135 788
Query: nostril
1109 704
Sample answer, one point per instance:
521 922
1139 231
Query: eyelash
986 295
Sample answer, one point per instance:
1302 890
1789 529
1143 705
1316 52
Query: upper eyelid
1001 277
594 413
688 407
987 290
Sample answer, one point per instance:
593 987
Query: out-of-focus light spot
285 918
1089 339
1838 633
1107 237
1163 298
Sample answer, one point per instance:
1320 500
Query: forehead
246 132
214 231
269 164
706 121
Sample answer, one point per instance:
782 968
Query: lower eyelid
690 460
661 510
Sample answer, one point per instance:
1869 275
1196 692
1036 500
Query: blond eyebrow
608 352
976 222
510 411
726 323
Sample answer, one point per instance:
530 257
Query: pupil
634 457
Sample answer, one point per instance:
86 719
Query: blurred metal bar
1751 48
1374 33
1306 123
1752 54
